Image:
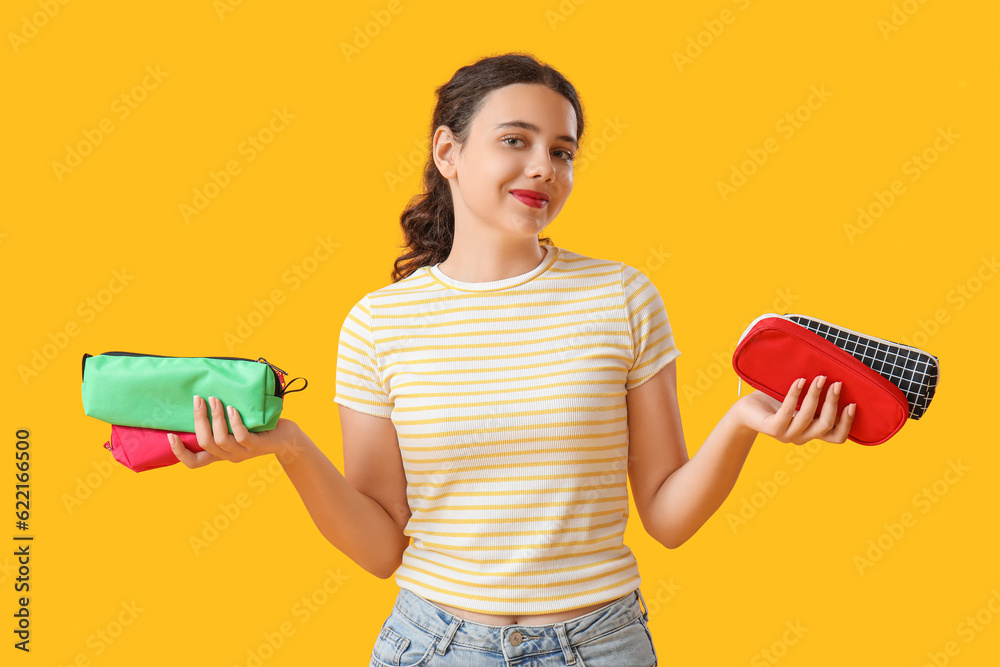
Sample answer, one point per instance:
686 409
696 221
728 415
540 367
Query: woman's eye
566 155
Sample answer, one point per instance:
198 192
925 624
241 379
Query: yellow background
659 139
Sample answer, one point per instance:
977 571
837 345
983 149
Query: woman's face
498 159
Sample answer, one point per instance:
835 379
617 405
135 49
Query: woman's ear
444 149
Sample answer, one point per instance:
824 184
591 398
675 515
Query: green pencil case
156 391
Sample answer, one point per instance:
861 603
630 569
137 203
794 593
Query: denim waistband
516 639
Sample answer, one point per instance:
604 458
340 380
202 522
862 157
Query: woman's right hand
219 444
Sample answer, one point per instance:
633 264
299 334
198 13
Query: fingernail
170 439
800 383
820 381
836 388
197 402
232 411
853 408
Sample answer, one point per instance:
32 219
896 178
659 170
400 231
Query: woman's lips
529 201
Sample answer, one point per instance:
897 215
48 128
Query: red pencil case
141 448
775 351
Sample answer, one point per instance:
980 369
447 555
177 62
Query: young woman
495 399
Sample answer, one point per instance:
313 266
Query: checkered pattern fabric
914 371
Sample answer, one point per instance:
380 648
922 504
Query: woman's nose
541 164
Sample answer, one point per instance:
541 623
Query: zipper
789 316
278 381
739 385
755 321
857 333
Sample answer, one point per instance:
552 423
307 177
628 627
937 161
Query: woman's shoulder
583 261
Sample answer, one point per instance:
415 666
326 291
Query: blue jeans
418 633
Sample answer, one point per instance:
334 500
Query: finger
827 419
203 429
783 417
804 418
241 434
843 427
186 456
220 429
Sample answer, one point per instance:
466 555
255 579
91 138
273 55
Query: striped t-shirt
508 399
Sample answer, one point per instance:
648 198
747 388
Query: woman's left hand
779 419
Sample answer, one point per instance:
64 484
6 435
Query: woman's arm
363 512
355 523
675 496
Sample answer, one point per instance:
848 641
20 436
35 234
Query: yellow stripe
495 430
558 517
517 355
548 305
473 418
493 480
506 598
514 493
534 387
512 533
500 380
512 342
626 553
522 506
510 442
553 450
465 582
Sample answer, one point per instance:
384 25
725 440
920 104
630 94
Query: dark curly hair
428 221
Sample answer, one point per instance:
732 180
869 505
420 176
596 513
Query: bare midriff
536 619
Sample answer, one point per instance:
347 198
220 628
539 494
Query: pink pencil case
139 448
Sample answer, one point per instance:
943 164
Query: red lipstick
531 198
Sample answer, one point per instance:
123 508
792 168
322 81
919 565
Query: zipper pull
265 361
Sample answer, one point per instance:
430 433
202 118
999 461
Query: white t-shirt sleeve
653 344
359 382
